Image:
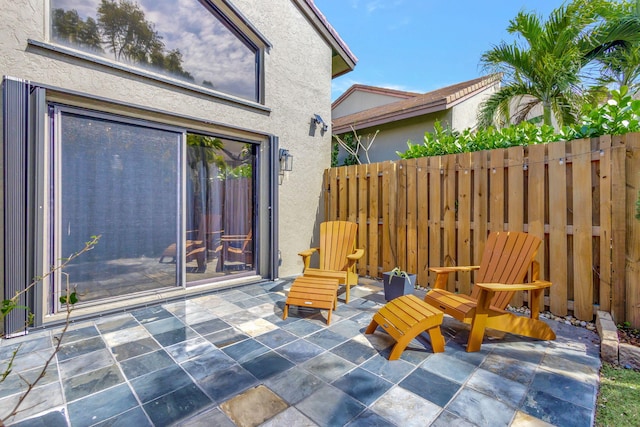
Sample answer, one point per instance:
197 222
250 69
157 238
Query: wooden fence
579 196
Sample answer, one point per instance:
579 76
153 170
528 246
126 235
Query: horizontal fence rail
578 196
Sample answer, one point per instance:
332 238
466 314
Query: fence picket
464 219
374 220
435 190
536 198
632 276
343 194
480 196
618 227
388 216
363 208
582 229
449 216
401 218
412 218
604 270
558 228
422 166
496 190
515 199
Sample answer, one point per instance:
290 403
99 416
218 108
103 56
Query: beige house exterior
47 84
400 116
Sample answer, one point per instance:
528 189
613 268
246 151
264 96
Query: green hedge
619 115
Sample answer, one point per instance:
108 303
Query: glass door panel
219 208
118 180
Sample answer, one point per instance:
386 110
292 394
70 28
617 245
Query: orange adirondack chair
507 258
235 248
337 254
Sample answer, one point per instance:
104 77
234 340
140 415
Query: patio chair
337 254
237 249
194 249
199 246
507 258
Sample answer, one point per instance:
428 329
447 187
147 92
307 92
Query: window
188 40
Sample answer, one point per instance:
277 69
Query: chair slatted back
337 240
506 259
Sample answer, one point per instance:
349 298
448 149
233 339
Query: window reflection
120 181
182 39
219 196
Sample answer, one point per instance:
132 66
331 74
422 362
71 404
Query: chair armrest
498 287
535 294
306 256
308 252
356 255
442 274
454 269
235 238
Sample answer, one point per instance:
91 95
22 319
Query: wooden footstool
313 292
404 318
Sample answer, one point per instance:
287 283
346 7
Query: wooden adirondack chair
507 258
235 248
337 254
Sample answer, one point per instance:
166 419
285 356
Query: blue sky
421 45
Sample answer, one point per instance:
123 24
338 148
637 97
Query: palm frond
524 109
496 109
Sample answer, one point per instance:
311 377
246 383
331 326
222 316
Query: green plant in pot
397 283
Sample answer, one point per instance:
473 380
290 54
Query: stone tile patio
228 358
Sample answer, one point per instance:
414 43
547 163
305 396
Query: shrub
619 115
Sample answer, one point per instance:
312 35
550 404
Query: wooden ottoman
313 292
404 318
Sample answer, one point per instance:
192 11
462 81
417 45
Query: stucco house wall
393 137
297 85
464 115
410 116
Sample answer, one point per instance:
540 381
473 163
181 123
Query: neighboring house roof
343 60
400 94
418 105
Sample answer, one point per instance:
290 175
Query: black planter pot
395 286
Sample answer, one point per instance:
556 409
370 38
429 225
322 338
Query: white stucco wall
297 85
464 115
361 100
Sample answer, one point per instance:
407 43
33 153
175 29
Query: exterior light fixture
286 161
318 121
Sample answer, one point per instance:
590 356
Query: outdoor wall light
286 161
318 121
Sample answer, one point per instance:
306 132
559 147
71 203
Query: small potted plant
397 283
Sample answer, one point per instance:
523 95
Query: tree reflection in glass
175 38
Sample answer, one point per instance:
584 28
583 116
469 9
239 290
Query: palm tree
621 67
547 69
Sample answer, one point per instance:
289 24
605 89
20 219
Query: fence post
605 222
632 276
618 228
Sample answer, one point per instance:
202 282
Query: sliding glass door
119 180
168 204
